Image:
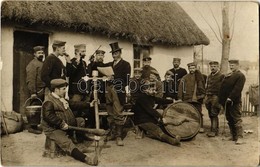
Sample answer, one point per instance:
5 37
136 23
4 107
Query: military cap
137 69
38 48
191 64
100 52
155 72
169 73
80 46
58 83
213 63
233 61
58 43
146 57
176 59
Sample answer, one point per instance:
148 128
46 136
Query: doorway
24 42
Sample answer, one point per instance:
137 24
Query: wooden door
23 54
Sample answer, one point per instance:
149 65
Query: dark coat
146 71
186 91
232 87
52 68
178 74
213 83
75 73
33 76
122 72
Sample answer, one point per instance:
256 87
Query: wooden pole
95 74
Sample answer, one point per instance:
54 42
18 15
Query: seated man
57 116
146 117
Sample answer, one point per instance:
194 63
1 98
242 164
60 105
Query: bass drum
182 119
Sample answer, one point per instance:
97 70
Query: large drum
184 120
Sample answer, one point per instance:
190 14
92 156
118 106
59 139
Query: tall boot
239 131
112 133
173 141
232 132
214 127
210 133
201 130
119 141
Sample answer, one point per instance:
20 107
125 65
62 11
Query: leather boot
233 136
210 133
112 133
91 160
173 141
214 127
119 140
239 131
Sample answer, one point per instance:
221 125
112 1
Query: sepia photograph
129 83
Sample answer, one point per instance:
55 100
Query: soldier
213 83
34 82
168 84
53 67
230 98
122 70
146 69
57 116
192 90
178 73
146 117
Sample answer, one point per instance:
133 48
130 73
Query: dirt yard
26 149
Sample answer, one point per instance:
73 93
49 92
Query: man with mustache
34 82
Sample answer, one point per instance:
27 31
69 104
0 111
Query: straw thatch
140 21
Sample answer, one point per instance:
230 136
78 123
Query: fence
250 101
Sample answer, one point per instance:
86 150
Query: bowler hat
80 46
233 61
213 63
114 46
58 43
58 83
100 52
38 48
191 64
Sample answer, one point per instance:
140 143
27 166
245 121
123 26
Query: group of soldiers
47 80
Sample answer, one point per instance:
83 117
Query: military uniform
232 87
212 91
33 78
176 77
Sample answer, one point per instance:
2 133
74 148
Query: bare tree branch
219 39
215 20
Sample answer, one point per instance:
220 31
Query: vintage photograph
129 83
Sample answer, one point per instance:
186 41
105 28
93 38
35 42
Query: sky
245 41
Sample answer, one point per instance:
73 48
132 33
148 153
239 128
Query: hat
58 83
154 71
79 46
58 43
38 48
176 59
137 69
169 73
147 57
114 46
191 64
233 61
213 63
100 52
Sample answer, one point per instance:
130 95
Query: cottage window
139 51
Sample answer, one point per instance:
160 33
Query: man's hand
86 78
64 126
67 58
179 100
230 101
164 120
93 103
33 96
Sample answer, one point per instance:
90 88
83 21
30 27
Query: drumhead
184 120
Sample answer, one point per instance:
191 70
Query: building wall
7 70
161 56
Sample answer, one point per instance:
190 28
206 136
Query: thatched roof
139 21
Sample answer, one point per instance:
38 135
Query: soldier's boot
210 133
112 133
201 130
214 127
233 136
119 141
240 139
78 155
173 141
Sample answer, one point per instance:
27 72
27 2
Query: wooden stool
52 149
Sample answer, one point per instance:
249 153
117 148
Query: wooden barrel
184 120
